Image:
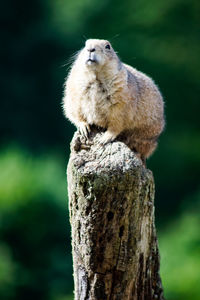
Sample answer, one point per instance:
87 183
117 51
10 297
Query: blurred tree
30 54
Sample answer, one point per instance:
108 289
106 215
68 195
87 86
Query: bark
111 204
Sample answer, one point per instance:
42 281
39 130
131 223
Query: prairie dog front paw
84 129
107 137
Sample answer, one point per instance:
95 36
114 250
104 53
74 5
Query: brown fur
103 91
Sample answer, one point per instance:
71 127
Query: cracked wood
111 203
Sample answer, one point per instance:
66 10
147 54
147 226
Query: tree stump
111 204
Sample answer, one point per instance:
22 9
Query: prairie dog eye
107 46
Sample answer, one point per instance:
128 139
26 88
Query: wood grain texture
111 204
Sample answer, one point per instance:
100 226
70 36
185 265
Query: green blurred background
160 38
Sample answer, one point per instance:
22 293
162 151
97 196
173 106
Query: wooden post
111 203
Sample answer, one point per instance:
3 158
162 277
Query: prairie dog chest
96 102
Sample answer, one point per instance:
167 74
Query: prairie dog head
97 54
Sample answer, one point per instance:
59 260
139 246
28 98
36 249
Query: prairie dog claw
84 129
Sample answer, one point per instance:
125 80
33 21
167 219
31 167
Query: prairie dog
101 90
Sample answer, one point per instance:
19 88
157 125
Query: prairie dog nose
91 49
